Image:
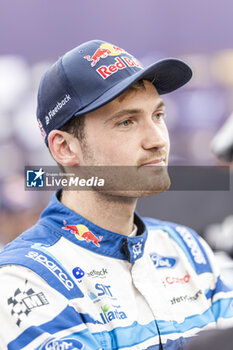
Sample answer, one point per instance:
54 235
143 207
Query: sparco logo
192 244
54 111
52 267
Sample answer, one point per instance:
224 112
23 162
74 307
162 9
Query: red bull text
122 62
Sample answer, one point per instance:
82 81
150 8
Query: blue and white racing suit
69 284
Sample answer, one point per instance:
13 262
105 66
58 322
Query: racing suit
69 284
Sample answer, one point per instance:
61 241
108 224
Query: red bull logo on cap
82 233
106 50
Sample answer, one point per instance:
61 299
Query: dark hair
75 126
139 85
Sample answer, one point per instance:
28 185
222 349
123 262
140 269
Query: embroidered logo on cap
58 106
106 50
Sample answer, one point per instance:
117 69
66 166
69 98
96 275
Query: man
91 274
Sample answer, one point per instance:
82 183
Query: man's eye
126 122
160 115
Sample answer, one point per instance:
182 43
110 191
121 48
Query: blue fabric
66 319
220 287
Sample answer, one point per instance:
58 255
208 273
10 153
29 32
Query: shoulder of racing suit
190 242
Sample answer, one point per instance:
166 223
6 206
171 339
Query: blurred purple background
33 34
41 30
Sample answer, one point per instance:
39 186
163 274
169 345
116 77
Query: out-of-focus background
33 34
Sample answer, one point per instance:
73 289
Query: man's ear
63 147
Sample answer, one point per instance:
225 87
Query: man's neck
109 212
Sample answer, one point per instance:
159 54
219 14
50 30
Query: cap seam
68 83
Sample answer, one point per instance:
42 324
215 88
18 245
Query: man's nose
155 136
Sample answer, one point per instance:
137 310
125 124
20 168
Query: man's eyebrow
160 104
122 113
131 111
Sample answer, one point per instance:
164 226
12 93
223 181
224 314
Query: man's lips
156 162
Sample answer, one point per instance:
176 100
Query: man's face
129 132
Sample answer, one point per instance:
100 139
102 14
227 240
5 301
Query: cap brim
166 75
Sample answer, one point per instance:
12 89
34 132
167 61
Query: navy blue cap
93 74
